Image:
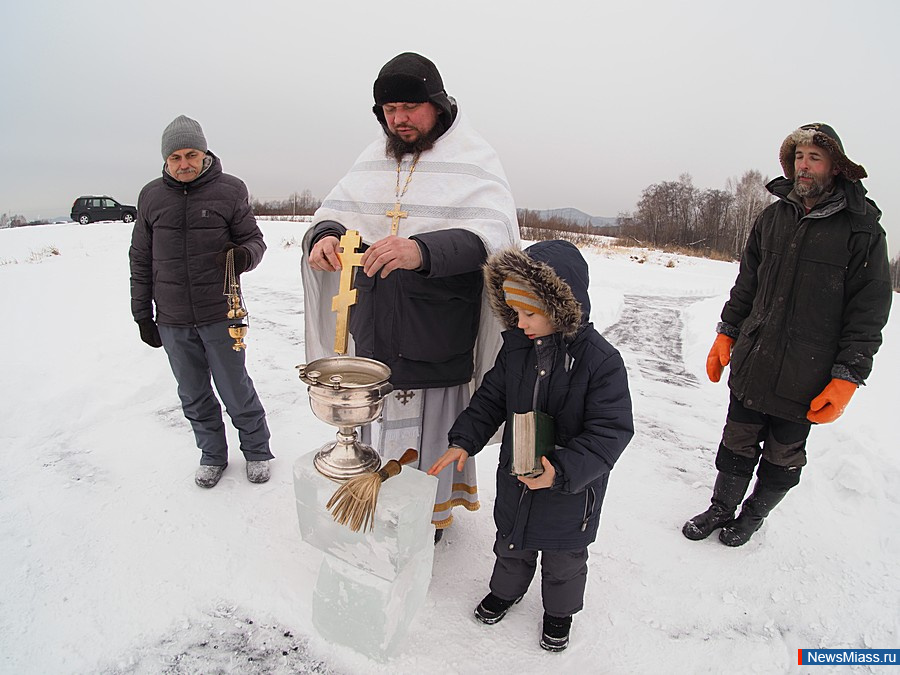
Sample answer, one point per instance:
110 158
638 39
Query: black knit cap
824 136
411 78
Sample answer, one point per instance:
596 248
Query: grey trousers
197 352
563 577
783 441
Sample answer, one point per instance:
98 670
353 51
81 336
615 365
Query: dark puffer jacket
574 375
180 229
422 324
809 303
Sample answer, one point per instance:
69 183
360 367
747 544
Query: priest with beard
431 202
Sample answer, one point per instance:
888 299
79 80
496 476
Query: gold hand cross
346 296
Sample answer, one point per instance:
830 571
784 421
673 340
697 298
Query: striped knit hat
520 296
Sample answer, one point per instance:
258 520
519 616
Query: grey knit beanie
183 132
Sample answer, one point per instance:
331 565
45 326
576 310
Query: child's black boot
555 636
492 609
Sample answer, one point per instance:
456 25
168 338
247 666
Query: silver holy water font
346 391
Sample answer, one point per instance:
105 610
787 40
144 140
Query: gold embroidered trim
462 487
470 506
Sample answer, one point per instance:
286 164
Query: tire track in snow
649 334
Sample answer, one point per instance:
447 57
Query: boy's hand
545 480
453 454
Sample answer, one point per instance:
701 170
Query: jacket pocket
745 342
805 370
440 317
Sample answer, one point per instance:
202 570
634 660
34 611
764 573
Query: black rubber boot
728 492
758 505
772 484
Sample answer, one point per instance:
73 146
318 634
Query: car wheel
84 219
128 218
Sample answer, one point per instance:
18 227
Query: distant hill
580 217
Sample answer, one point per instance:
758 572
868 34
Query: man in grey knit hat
188 220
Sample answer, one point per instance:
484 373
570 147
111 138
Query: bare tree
750 198
713 214
675 213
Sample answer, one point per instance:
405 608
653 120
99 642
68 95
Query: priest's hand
389 254
543 481
453 454
324 255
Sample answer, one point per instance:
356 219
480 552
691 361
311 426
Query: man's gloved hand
719 356
149 332
830 404
241 257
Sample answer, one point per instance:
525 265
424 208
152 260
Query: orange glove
719 356
830 404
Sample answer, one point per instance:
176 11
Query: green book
533 437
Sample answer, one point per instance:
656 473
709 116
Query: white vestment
458 184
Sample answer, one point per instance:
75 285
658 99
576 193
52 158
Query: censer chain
236 309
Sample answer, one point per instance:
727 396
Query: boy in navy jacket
554 361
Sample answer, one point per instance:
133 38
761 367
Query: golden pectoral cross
346 296
395 215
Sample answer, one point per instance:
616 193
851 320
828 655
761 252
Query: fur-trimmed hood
556 272
825 137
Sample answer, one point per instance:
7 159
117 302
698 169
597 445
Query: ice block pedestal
371 584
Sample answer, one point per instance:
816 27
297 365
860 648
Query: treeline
536 226
671 214
675 214
11 220
298 204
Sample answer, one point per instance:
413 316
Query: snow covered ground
113 561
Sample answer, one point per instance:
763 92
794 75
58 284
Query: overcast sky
586 102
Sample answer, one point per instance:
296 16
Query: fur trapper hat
825 137
554 271
411 78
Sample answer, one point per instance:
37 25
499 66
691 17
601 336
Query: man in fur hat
430 201
800 329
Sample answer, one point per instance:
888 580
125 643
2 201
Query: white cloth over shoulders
458 184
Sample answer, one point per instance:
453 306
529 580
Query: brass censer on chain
237 312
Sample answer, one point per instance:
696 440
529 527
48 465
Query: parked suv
90 209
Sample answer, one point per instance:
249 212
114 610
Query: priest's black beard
397 147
